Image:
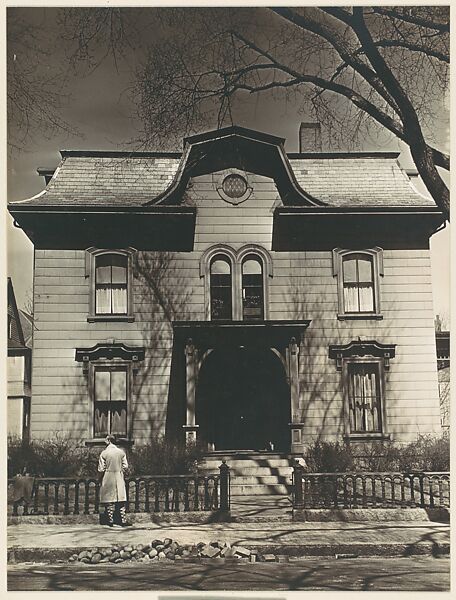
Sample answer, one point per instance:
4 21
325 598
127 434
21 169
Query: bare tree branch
422 155
414 48
359 71
345 53
410 18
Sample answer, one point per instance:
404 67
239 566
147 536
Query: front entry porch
243 400
242 384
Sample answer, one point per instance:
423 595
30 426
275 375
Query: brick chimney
310 137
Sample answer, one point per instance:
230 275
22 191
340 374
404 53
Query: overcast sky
100 109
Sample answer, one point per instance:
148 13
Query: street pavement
400 538
305 553
415 573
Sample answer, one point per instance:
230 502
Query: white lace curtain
359 298
111 300
364 399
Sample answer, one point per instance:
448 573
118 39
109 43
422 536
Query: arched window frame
236 259
205 272
376 256
92 254
224 259
266 263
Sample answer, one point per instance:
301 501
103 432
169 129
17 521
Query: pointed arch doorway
243 400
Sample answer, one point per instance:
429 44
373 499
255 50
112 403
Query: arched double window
236 283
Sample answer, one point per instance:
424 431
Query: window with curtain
252 288
221 288
358 284
110 401
364 394
111 272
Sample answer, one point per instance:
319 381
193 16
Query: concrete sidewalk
27 541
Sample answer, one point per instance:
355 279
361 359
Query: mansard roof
101 179
22 323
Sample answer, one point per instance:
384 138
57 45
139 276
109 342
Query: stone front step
252 461
259 489
267 479
248 469
253 473
261 507
283 473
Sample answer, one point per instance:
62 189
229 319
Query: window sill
359 316
94 442
110 318
366 437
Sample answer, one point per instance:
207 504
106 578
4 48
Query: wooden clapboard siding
220 230
303 287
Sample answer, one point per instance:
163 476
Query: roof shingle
358 181
132 180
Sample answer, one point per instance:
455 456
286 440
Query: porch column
295 425
191 370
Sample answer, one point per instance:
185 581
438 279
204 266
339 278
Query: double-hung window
111 284
358 282
110 392
110 369
110 276
363 365
364 397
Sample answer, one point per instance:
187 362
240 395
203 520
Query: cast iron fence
370 490
150 494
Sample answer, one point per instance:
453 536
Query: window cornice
359 348
350 357
110 351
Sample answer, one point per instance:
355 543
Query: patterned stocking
123 514
110 513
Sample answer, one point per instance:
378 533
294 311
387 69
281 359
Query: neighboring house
442 339
235 293
19 370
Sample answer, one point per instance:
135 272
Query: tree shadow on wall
321 407
163 294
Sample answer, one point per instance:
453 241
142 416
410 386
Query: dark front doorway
243 400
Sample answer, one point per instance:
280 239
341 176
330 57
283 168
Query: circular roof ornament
234 189
234 186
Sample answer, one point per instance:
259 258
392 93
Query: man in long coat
113 463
